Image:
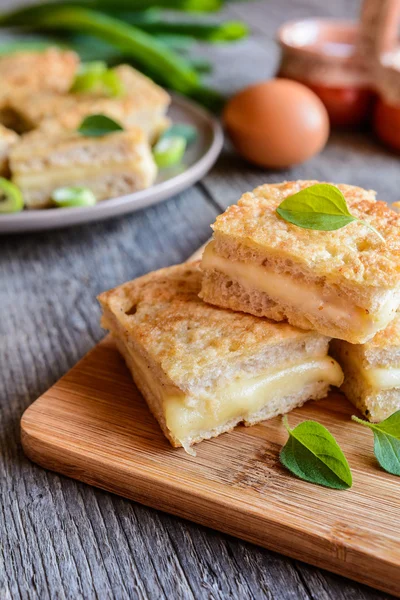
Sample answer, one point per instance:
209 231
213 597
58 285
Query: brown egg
277 123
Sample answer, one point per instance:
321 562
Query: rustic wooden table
63 539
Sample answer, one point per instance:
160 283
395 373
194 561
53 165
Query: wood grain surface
60 538
94 426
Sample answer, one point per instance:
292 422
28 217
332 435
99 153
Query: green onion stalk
144 48
227 31
124 5
157 47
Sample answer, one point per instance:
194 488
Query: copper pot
324 55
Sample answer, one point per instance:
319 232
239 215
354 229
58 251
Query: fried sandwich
113 165
142 103
372 372
344 283
28 73
203 370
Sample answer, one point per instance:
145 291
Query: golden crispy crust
142 100
353 254
389 337
162 312
52 69
142 90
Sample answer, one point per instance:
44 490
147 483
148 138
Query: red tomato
387 123
346 106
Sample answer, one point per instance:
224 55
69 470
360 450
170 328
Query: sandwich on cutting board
244 337
372 372
344 283
203 370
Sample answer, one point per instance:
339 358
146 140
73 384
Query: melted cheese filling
382 379
54 175
188 416
303 296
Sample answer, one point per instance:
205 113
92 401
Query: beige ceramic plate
199 158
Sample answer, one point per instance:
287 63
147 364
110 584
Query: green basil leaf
188 132
318 198
317 221
321 207
386 441
313 454
98 125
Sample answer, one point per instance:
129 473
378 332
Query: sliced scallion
67 197
169 151
96 77
11 199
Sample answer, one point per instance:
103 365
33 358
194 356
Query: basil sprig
98 125
322 207
386 441
313 454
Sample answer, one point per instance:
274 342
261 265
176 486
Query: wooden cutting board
93 425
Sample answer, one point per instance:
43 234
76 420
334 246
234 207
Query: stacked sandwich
40 102
244 336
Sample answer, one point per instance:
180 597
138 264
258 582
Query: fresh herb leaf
313 454
188 132
386 441
98 125
322 207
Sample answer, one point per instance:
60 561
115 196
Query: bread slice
344 284
52 70
203 370
372 372
143 104
112 165
7 139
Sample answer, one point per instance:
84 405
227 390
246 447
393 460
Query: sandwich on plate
372 372
52 70
140 103
202 369
113 165
343 283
